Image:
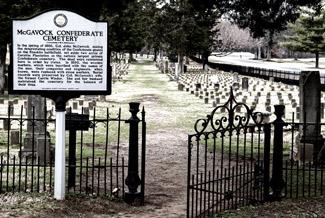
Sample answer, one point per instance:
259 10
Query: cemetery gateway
53 52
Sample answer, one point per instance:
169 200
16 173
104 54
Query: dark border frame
59 92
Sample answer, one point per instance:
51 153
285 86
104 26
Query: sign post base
59 170
59 178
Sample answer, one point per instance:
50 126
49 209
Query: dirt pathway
170 117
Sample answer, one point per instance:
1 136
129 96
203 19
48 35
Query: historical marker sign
59 51
59 54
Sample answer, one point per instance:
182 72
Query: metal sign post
59 181
59 170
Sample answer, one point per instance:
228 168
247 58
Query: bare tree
232 38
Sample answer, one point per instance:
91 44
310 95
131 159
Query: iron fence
284 76
97 152
240 158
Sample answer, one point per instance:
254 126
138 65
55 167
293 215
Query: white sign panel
59 51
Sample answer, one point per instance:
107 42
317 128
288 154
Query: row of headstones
119 70
247 90
241 95
169 68
37 134
264 94
85 104
259 94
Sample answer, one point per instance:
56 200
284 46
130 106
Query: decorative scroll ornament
232 119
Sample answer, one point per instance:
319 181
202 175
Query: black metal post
132 180
267 145
143 155
72 159
277 182
189 178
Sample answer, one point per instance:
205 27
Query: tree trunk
269 46
131 57
205 61
161 54
259 52
155 55
317 59
187 60
3 51
180 69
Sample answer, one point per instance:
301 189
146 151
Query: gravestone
114 70
235 77
244 83
180 87
297 113
11 111
310 93
35 108
68 109
91 105
14 137
86 110
75 105
102 98
43 148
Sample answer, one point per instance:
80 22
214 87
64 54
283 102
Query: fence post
267 145
277 182
143 154
133 180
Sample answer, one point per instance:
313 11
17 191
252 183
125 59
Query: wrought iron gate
228 160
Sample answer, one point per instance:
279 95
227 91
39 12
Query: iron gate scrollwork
228 159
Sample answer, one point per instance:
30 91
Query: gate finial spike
143 113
